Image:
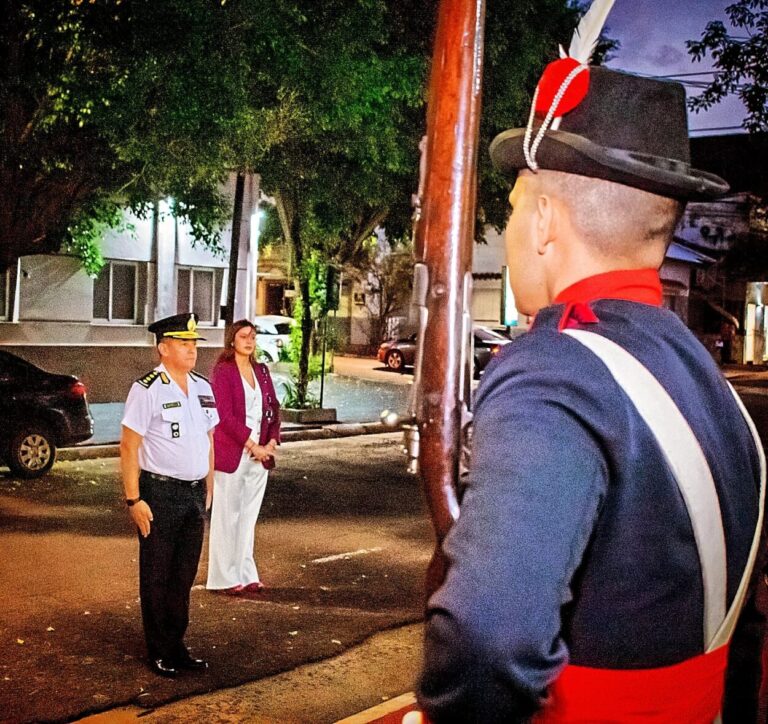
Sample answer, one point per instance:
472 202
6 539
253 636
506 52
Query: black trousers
168 559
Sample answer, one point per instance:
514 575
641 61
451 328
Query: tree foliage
358 69
108 103
113 103
739 62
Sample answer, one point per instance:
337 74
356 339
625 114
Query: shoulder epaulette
148 379
199 376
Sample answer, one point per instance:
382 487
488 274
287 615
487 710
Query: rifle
444 222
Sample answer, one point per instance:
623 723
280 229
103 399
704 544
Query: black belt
168 479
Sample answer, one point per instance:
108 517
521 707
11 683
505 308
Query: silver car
273 333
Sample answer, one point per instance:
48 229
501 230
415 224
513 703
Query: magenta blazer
231 433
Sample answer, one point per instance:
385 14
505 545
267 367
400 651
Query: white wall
486 301
54 288
488 258
132 245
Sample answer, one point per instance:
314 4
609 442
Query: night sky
653 34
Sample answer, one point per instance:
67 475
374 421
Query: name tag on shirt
169 405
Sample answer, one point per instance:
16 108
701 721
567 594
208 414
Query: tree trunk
234 251
302 383
288 212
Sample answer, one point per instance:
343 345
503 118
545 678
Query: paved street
342 543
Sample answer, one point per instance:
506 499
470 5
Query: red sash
686 693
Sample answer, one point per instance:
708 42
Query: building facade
55 315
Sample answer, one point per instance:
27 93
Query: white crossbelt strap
726 630
689 466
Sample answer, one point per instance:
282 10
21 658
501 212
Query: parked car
40 411
397 354
509 332
273 333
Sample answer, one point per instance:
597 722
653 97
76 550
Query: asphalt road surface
342 543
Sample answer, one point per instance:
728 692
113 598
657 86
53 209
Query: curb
324 432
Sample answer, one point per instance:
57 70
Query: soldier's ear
545 221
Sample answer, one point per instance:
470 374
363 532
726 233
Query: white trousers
237 499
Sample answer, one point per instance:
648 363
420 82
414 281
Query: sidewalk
378 670
746 374
289 433
360 390
107 415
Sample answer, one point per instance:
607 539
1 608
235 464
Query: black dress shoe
162 667
191 663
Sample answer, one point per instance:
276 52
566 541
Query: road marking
345 556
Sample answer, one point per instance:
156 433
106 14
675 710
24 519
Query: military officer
166 456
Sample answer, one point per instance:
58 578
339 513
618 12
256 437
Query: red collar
632 285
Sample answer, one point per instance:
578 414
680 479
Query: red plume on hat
565 82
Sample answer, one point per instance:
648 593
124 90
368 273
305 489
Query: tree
387 278
113 103
739 62
358 69
119 102
352 156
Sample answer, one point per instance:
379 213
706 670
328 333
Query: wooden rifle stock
444 234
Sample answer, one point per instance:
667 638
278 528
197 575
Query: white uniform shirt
174 426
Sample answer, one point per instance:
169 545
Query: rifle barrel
444 236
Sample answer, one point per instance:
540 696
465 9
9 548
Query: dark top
574 542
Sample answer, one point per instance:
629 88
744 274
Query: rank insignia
148 379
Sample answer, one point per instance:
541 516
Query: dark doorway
274 298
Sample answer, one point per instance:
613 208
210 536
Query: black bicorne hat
602 123
179 326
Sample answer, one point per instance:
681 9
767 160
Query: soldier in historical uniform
166 455
613 508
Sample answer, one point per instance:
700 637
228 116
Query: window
115 292
195 293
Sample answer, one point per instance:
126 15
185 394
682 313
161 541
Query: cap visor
183 335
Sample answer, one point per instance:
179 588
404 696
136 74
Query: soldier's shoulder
198 376
147 380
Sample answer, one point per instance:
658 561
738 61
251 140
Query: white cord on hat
530 149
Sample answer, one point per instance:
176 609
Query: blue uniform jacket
573 543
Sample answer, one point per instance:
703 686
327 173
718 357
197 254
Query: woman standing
244 448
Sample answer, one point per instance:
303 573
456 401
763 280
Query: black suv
39 412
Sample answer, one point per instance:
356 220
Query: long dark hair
228 353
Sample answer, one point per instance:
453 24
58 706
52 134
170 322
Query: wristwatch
131 501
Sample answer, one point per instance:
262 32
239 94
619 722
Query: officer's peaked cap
179 326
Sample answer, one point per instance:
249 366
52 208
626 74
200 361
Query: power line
717 128
682 75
